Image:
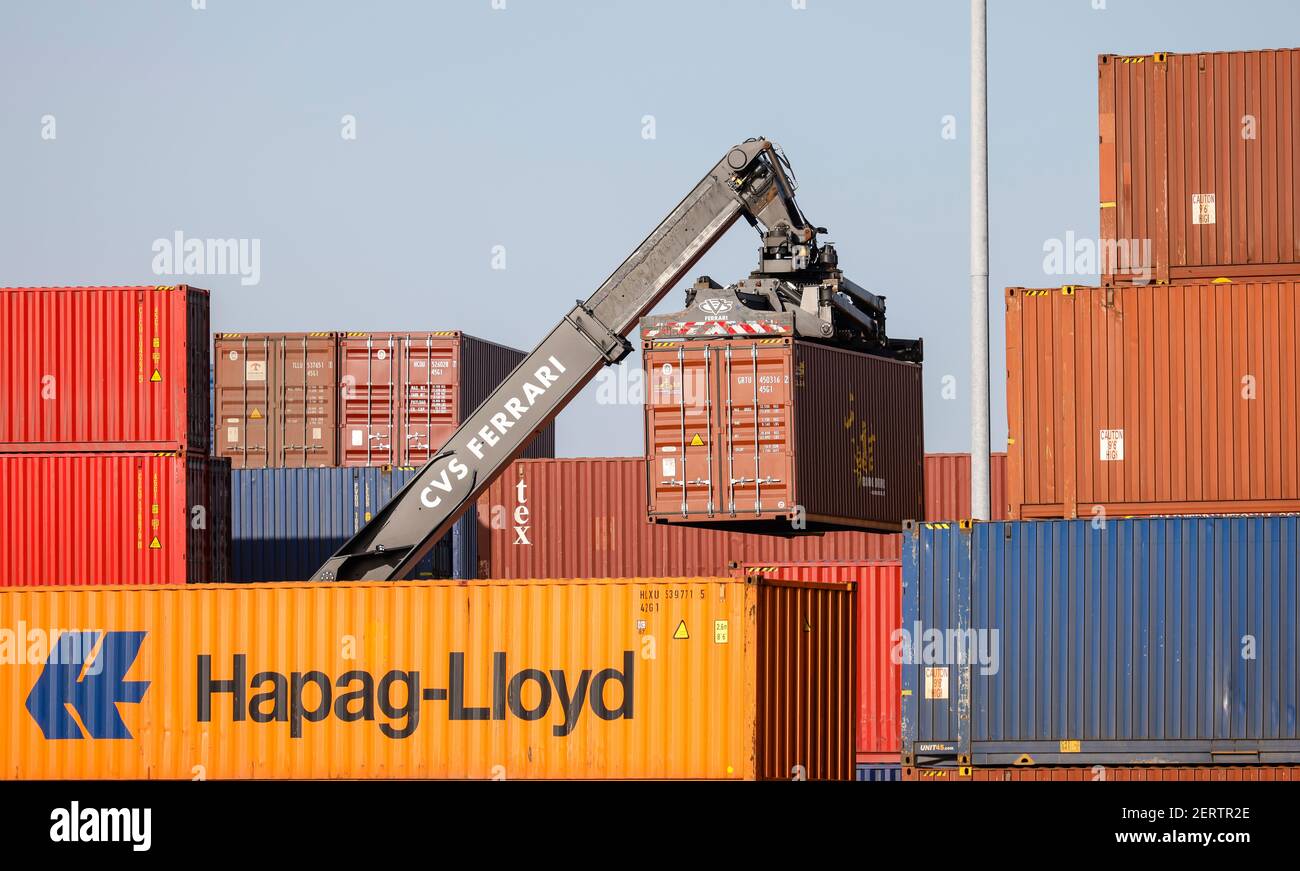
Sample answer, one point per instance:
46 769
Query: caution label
156 376
155 544
697 442
681 633
256 414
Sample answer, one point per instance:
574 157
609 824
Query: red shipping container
742 430
96 519
104 369
585 518
880 614
404 394
1200 165
277 399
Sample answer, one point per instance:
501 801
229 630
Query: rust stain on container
1103 773
747 430
1200 165
404 394
586 517
672 678
104 369
1171 399
879 614
277 399
113 519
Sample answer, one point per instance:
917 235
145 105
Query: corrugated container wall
879 773
288 522
585 518
1200 165
1144 641
104 369
745 681
743 431
404 394
1114 773
277 399
113 519
1180 399
880 613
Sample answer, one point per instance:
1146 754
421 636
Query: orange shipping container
673 678
1200 165
1170 399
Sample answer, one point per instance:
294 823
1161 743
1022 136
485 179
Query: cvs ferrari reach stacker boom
751 180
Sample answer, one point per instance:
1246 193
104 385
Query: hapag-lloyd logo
86 674
488 437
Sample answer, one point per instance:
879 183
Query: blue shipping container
1141 641
879 773
286 522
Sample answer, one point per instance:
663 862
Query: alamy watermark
181 255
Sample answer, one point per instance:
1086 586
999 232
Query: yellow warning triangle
156 376
697 441
155 544
681 633
256 415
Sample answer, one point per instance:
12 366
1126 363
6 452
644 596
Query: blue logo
73 681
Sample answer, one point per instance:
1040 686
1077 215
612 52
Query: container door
680 431
430 396
308 384
368 376
243 401
755 437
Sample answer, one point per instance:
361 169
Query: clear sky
525 127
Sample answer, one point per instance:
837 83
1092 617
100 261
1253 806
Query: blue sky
522 127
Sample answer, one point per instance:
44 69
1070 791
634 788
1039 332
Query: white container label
357 438
1202 208
315 433
232 434
1112 445
670 467
936 682
255 370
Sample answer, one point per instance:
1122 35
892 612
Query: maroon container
404 394
742 430
1200 165
585 518
277 399
104 369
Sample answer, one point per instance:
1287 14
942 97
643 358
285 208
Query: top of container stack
1200 166
104 369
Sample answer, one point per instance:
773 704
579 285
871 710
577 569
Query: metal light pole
979 263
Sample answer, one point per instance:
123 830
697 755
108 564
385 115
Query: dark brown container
404 394
741 431
1200 165
95 369
277 399
1168 399
585 518
1100 773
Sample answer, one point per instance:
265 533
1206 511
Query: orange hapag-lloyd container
879 587
741 431
1167 399
100 369
1200 165
649 678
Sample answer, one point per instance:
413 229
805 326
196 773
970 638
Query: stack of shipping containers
105 475
1136 619
324 428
